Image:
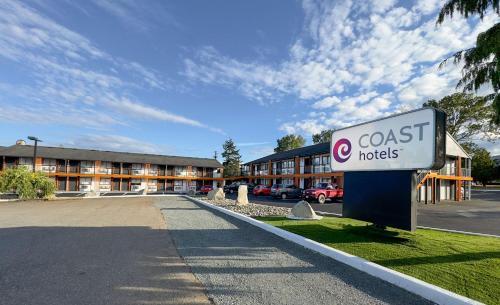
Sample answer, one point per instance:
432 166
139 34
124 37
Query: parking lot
479 215
126 251
92 251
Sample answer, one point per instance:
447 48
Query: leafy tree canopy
322 137
289 142
467 116
481 63
483 167
26 184
232 159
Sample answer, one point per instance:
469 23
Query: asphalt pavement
89 252
241 264
479 215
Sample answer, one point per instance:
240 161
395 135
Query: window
49 165
105 168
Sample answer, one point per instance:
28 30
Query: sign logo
342 150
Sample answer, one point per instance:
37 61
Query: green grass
465 264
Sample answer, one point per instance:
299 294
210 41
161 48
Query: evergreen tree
232 159
482 62
289 142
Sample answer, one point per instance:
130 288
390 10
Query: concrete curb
428 291
459 232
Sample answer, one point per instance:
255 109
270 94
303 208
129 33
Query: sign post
380 159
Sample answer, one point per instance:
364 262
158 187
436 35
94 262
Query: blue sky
180 77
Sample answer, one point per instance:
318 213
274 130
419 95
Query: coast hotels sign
411 140
380 160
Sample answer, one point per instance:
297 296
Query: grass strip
465 264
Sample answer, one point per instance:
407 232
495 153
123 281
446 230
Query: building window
135 184
137 169
49 165
105 168
87 167
105 184
85 184
288 167
152 185
26 162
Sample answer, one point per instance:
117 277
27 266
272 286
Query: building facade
83 170
306 166
303 167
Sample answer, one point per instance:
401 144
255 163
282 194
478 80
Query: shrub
25 184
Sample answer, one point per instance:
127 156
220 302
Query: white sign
403 141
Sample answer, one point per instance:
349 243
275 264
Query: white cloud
139 15
359 60
114 143
71 78
327 102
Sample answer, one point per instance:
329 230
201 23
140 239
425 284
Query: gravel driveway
242 264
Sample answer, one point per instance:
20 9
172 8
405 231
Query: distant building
84 170
306 166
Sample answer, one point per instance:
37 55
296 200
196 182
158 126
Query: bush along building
84 170
306 166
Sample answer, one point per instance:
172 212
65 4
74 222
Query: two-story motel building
306 166
84 170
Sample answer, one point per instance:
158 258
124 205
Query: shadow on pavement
93 265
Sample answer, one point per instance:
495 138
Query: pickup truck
322 192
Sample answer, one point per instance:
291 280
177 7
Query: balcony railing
318 169
105 171
447 171
125 171
87 170
306 169
264 172
466 172
72 169
137 172
48 168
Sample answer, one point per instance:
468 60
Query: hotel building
84 170
306 166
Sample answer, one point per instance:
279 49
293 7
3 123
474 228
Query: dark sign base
385 198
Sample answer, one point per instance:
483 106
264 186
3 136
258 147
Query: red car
206 188
323 191
262 190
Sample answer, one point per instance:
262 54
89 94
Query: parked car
262 190
285 191
233 187
322 192
206 188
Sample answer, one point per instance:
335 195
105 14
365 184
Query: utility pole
36 140
215 155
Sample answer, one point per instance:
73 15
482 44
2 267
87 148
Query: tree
481 63
26 184
483 167
323 137
232 159
289 142
467 116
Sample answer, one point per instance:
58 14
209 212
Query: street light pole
36 140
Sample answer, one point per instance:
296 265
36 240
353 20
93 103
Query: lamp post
34 150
